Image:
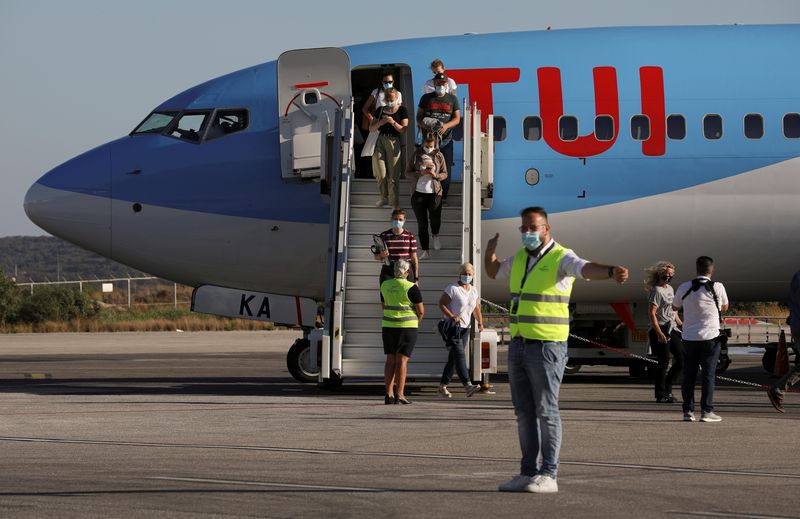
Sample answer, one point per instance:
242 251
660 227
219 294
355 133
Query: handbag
372 139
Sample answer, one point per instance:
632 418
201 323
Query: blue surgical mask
531 240
390 104
428 150
441 90
387 85
465 279
397 224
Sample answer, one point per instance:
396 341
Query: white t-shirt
570 266
700 313
425 182
430 87
462 302
379 94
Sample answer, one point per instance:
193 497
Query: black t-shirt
441 108
398 116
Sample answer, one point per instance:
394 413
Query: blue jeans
699 354
457 360
535 370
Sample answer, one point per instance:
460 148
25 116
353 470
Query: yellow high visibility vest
539 310
398 311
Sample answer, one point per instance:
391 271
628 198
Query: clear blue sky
75 74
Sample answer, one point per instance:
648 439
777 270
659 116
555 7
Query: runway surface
212 425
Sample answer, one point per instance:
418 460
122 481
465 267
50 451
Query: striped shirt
400 246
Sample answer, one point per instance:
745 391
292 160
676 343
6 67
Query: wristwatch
611 271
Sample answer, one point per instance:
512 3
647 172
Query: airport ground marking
267 484
300 450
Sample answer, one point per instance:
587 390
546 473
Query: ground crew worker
776 391
540 277
402 312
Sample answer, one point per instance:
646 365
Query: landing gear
298 361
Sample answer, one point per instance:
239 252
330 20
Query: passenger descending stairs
362 344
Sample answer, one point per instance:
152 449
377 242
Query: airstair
350 343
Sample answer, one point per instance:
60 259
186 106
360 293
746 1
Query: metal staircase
350 342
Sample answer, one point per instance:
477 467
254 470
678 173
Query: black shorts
399 340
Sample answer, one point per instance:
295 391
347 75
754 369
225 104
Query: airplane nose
73 201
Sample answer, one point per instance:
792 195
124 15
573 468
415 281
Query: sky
76 74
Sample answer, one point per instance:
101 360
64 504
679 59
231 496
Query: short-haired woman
402 312
459 303
665 338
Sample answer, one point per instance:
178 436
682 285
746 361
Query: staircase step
452 255
384 214
368 226
367 186
449 241
369 199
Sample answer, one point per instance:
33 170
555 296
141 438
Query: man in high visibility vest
402 312
540 277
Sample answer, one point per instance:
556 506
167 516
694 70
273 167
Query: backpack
696 284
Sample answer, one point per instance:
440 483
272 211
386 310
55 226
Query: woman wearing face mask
665 338
459 303
377 99
391 124
426 173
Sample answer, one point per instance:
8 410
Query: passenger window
532 128
753 126
604 127
189 126
155 123
791 126
499 128
712 126
640 127
676 127
568 127
226 122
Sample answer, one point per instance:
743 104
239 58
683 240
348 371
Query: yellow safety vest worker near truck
539 310
398 311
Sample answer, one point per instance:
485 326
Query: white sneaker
518 483
437 245
382 202
471 389
688 416
710 416
425 255
543 484
443 392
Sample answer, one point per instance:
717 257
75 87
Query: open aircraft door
312 85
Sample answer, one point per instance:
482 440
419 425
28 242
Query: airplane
643 143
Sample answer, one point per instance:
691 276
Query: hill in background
46 258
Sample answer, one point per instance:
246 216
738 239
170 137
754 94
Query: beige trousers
386 166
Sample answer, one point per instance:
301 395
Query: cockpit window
189 127
155 123
225 122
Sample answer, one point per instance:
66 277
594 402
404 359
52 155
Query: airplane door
312 84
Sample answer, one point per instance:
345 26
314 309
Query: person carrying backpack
703 302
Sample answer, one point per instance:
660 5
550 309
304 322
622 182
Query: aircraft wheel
297 360
571 369
723 363
768 360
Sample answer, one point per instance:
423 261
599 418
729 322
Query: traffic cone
781 358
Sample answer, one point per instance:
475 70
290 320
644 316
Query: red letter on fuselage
479 81
652 82
551 106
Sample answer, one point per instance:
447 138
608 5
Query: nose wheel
298 361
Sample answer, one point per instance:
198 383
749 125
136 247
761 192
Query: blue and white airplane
642 143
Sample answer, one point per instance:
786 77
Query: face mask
465 279
388 85
397 224
427 150
531 240
389 104
665 278
441 90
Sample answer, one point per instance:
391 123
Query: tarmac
210 424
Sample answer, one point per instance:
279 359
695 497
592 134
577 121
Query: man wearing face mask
400 245
377 98
439 113
540 275
426 171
